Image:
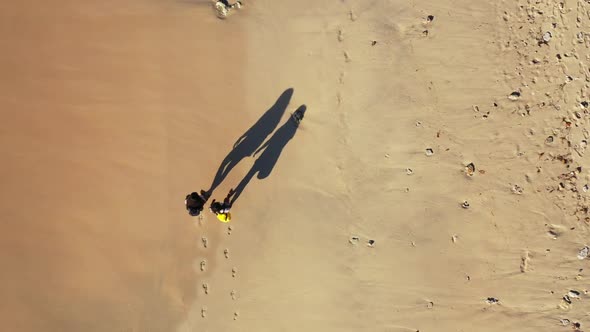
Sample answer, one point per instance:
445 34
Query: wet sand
95 237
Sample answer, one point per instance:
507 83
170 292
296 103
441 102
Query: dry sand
112 113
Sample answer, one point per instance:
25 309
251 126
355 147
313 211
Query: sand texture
437 181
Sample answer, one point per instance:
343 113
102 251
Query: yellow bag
224 217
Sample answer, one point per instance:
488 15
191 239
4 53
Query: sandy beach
437 181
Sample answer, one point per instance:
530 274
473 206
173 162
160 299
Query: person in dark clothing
219 208
194 203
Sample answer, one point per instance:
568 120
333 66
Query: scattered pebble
429 152
514 95
549 140
583 253
465 205
470 169
574 294
492 300
516 189
547 37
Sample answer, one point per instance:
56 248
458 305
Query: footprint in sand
229 229
203 265
204 312
226 252
524 262
346 56
340 35
205 241
236 315
352 15
206 288
234 272
555 231
233 294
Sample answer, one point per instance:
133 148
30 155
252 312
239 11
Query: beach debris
429 152
470 169
514 96
583 253
226 253
371 243
518 190
206 288
547 37
492 300
409 171
549 139
564 322
353 239
465 205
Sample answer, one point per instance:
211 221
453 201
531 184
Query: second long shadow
271 151
247 144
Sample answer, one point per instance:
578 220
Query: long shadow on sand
247 144
271 151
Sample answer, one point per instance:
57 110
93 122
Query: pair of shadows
250 144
